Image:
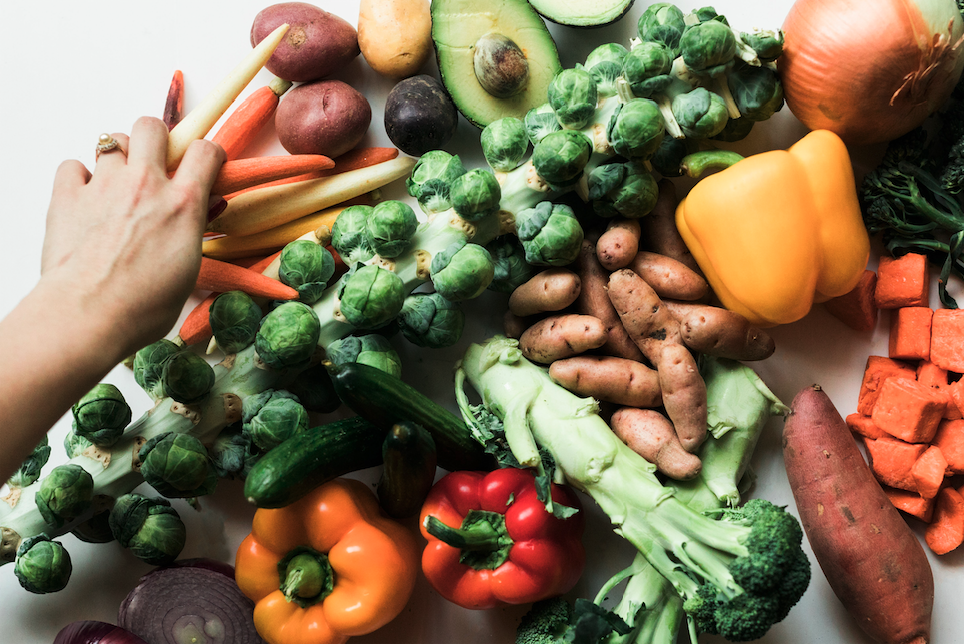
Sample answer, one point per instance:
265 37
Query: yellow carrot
229 247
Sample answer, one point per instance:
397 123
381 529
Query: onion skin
868 71
94 632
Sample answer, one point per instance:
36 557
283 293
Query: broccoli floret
545 623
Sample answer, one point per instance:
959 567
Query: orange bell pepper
326 567
777 231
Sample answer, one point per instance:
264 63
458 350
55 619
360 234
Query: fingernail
216 208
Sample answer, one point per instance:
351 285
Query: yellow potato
395 36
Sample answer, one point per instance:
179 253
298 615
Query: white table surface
75 69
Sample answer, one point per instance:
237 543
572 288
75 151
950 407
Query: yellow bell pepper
777 231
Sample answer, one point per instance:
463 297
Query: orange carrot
929 471
911 503
902 281
216 275
196 327
892 460
264 262
946 530
351 160
908 410
244 124
244 173
174 106
249 262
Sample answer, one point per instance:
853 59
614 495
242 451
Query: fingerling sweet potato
610 378
514 326
670 278
650 434
871 558
562 336
618 246
550 290
720 332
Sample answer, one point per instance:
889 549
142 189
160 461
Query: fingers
201 164
70 175
148 143
113 158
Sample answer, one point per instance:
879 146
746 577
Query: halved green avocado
457 25
582 13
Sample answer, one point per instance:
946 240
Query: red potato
326 117
618 246
871 558
719 332
317 42
650 434
561 336
670 278
547 291
658 229
656 332
609 378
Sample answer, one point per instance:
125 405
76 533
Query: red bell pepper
491 541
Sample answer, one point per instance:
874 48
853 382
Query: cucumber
385 400
309 459
410 459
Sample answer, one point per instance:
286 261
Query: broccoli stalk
737 573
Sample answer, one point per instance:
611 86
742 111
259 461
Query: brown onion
870 71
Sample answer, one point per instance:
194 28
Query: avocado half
457 25
582 13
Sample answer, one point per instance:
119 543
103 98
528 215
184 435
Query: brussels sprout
149 366
605 63
29 470
101 415
559 158
177 466
371 296
550 234
42 565
272 417
431 177
767 44
349 234
234 317
391 226
288 336
664 23
757 91
573 97
636 129
96 529
64 494
511 268
700 113
735 130
539 122
476 194
462 271
647 68
232 453
149 527
505 143
75 445
306 267
315 390
707 47
430 320
669 156
188 377
622 190
370 349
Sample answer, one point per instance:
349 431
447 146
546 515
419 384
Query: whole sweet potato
609 378
550 290
561 336
871 558
719 332
317 42
650 434
326 117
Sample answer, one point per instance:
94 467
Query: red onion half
94 632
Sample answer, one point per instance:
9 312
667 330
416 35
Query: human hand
125 241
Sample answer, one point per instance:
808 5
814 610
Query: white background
75 69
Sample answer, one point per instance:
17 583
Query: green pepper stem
480 537
306 577
697 164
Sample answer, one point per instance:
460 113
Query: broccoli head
545 623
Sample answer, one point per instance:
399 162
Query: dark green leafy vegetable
288 336
391 226
177 466
149 366
370 296
187 377
64 494
306 267
234 318
42 565
150 527
371 348
430 320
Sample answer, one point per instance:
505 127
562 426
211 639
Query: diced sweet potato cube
902 281
931 375
911 503
857 309
908 410
877 370
946 529
892 461
929 472
950 439
947 339
910 333
864 426
955 400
